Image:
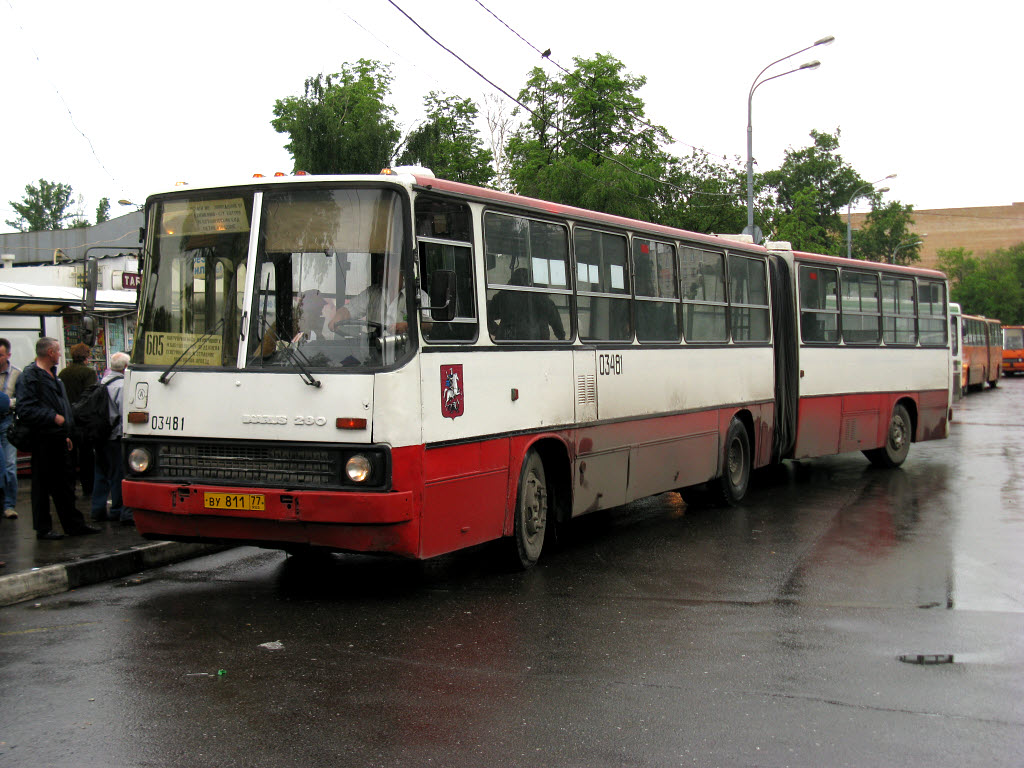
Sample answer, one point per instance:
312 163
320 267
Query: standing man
77 377
43 404
109 466
8 453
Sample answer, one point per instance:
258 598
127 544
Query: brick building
979 230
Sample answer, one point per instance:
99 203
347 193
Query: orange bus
1013 349
982 352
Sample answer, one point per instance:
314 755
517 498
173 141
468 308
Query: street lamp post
750 230
906 244
849 208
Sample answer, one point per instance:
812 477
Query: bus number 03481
172 423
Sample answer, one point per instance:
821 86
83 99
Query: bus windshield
1013 338
191 308
330 289
328 293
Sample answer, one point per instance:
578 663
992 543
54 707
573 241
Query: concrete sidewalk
38 568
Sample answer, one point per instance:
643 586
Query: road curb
54 579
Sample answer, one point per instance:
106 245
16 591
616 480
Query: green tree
447 142
817 169
103 210
342 123
992 286
586 141
802 224
887 229
42 208
704 194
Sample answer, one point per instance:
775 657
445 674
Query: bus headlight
358 468
139 460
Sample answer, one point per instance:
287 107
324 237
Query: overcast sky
122 99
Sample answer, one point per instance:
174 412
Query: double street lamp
918 240
849 208
750 229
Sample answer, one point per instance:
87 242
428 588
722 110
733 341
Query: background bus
1013 349
982 342
294 386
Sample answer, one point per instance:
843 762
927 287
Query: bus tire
731 486
531 515
897 441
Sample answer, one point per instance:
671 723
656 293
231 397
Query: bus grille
293 466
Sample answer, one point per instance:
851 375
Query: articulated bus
407 365
1013 349
982 352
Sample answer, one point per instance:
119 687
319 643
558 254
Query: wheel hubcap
897 435
534 507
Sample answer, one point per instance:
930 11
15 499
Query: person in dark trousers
109 465
77 377
8 453
43 403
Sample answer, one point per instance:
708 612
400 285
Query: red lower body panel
858 422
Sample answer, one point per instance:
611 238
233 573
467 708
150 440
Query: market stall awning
26 299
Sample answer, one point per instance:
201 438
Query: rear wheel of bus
531 515
897 441
731 486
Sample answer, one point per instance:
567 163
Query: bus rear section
982 343
1013 349
874 367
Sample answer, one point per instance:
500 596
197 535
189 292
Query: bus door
956 355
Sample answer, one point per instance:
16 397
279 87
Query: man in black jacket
43 405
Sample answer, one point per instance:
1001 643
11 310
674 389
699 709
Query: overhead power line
60 96
547 55
560 131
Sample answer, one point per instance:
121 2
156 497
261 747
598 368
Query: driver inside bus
367 305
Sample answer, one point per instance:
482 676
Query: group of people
42 399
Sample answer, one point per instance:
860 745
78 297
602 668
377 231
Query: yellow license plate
244 501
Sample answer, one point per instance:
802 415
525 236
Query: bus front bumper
340 520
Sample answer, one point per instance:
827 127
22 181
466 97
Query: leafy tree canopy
342 123
103 210
886 235
43 207
993 286
447 142
819 170
586 141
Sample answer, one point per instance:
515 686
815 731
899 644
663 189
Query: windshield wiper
294 355
192 348
297 357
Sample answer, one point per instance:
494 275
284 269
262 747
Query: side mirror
442 295
88 329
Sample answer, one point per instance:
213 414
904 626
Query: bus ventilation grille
586 389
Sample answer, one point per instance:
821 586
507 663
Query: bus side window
458 259
444 232
528 290
819 306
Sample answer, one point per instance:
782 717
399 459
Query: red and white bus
1013 349
287 390
982 352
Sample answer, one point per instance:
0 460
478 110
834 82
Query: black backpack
92 412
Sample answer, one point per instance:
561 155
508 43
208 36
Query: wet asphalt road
766 636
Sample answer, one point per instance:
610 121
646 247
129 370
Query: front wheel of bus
897 442
531 514
731 487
